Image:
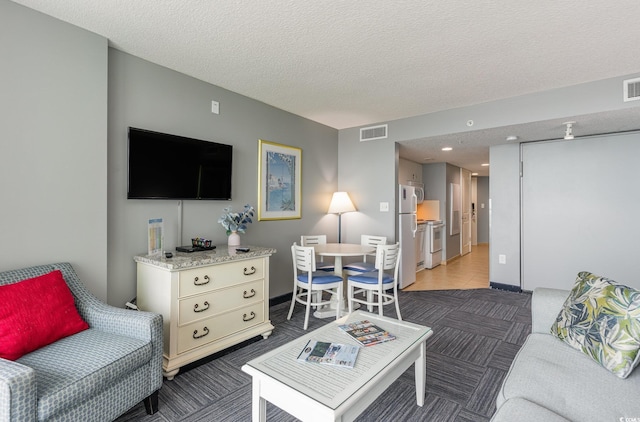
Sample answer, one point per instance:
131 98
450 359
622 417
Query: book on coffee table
329 353
367 333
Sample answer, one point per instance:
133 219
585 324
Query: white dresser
209 300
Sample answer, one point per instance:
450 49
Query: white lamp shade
340 203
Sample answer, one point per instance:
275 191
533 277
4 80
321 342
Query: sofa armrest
137 324
18 392
545 306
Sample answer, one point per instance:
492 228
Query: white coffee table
314 392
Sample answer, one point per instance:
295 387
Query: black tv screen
163 166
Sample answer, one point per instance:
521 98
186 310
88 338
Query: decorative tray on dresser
208 300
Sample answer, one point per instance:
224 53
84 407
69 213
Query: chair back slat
387 256
316 239
369 240
304 258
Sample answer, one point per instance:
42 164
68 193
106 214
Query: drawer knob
247 295
244 317
206 281
197 336
206 306
251 271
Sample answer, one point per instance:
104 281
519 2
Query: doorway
470 271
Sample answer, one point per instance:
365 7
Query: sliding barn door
579 205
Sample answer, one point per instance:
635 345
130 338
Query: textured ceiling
353 63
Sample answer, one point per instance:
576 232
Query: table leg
421 374
258 404
330 311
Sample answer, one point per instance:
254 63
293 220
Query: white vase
234 239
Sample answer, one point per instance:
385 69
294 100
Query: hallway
468 272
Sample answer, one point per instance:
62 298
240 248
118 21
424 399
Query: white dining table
337 251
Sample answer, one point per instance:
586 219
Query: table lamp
340 203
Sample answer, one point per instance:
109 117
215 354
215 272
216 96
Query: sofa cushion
75 368
548 372
36 312
522 410
601 318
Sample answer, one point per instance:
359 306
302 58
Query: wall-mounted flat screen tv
163 166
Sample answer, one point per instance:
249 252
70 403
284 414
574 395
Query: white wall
53 152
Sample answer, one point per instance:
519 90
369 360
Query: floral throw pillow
601 318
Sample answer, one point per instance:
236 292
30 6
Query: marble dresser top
220 254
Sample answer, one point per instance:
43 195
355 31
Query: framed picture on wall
279 181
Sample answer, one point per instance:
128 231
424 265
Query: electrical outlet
384 207
502 259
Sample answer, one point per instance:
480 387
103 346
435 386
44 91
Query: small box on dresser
209 300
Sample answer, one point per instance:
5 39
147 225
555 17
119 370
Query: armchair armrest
137 324
545 306
18 392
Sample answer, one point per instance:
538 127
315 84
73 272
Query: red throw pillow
36 312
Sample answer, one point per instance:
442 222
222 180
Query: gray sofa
94 375
550 381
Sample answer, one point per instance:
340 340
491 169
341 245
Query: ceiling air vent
632 89
373 132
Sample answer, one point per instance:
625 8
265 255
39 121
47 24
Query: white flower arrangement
236 222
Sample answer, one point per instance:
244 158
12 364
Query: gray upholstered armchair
94 375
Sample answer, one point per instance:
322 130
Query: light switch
502 259
384 207
215 107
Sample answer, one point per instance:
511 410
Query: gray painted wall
482 214
504 215
368 171
53 153
54 118
592 97
145 95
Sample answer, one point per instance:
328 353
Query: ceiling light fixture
512 138
447 149
485 164
568 134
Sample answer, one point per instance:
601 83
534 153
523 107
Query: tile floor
467 272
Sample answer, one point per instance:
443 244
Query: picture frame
279 181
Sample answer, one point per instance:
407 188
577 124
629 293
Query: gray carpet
476 336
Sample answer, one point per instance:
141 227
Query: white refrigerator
407 228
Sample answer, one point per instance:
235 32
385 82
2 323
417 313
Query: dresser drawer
216 302
205 331
205 279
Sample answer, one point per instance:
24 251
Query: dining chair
317 239
365 266
308 284
377 283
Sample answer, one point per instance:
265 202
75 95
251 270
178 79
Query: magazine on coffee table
367 333
334 354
